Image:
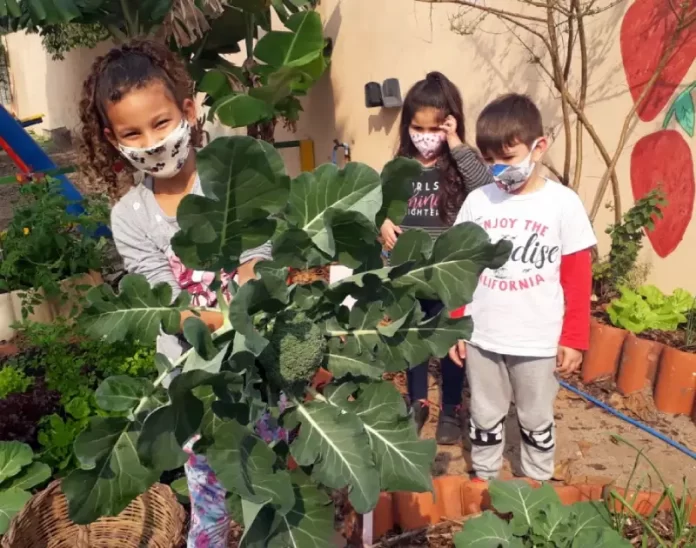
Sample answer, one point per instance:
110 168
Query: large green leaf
122 393
240 110
314 195
296 47
409 341
138 310
338 447
522 501
245 465
402 458
397 177
553 524
169 427
111 475
45 12
309 524
593 526
11 502
458 258
10 8
31 476
243 181
13 457
487 531
269 293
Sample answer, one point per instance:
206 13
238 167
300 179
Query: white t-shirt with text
518 308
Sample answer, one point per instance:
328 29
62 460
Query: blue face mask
512 177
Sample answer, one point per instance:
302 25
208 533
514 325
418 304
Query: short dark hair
508 120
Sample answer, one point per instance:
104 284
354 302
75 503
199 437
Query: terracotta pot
638 365
415 510
383 516
602 358
448 495
676 382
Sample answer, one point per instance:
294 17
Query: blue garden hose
628 419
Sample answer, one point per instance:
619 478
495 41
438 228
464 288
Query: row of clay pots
48 310
637 363
457 497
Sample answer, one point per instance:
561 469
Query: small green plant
539 519
18 474
626 242
45 244
649 308
13 381
682 534
73 365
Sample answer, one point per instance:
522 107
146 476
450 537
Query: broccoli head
295 351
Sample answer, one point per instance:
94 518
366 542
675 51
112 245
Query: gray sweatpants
495 380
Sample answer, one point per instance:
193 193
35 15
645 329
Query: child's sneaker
449 426
421 412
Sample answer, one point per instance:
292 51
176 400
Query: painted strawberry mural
662 159
646 31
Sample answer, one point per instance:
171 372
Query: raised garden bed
637 362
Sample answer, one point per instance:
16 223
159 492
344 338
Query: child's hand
458 353
389 232
568 360
450 129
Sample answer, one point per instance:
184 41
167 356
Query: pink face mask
428 144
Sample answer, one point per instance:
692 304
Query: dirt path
585 451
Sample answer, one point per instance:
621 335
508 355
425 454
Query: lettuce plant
649 308
356 433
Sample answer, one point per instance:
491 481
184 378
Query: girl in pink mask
432 132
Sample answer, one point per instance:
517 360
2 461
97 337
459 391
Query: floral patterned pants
210 522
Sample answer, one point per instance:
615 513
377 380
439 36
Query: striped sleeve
262 252
471 167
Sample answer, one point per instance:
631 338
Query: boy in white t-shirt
532 315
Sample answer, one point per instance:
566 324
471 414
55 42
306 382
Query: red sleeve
458 313
576 281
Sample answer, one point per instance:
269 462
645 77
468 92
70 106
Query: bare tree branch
500 13
560 82
582 39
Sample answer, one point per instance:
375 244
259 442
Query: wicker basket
153 520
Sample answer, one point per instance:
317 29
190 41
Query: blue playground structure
30 158
28 155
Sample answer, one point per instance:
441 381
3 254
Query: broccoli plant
356 432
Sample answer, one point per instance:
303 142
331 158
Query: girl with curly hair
138 115
432 132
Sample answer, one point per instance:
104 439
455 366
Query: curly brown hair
124 68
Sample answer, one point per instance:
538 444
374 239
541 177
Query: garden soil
585 451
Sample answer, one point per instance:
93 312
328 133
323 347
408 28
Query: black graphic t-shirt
422 207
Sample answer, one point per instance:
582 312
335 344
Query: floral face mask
512 177
164 159
428 144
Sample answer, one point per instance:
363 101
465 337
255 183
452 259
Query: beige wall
375 40
44 86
